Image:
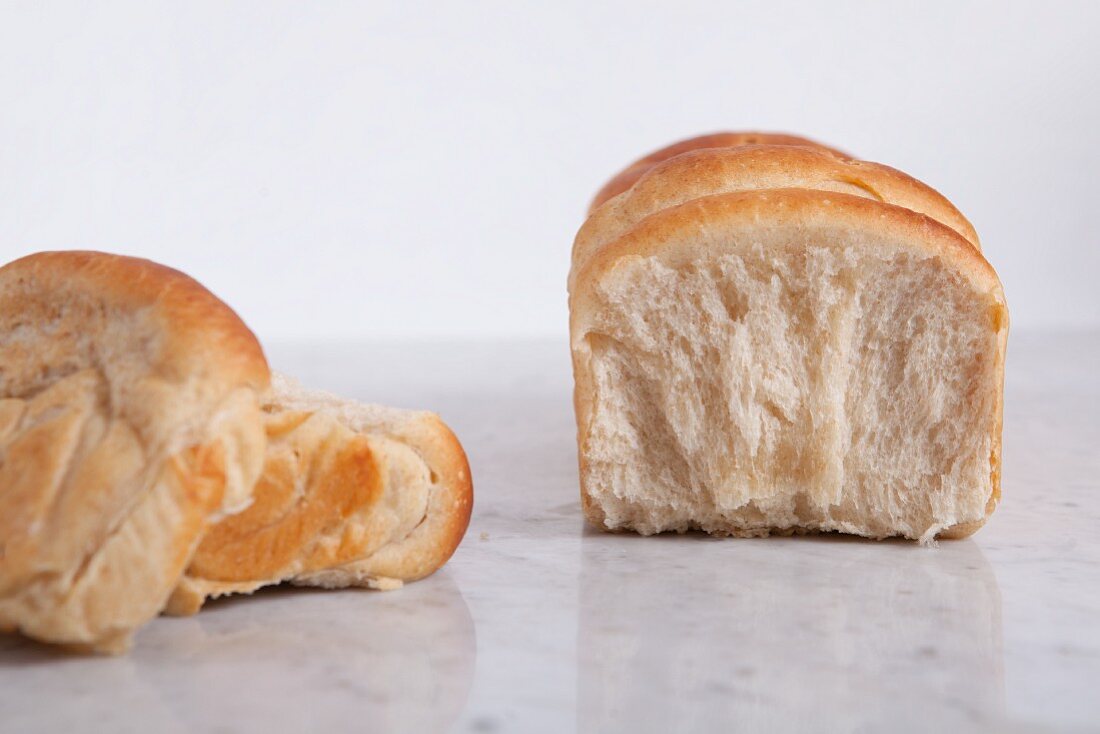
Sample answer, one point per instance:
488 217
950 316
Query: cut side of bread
350 495
129 421
788 360
629 175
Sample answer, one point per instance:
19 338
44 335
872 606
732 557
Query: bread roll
350 495
129 420
770 348
626 178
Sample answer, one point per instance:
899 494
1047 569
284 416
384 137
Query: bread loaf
129 421
350 495
145 464
774 340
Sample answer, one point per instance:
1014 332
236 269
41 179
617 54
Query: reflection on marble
784 634
286 660
578 630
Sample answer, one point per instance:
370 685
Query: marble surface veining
541 624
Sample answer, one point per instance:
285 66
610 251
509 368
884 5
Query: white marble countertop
541 624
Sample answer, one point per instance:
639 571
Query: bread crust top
626 178
195 332
707 172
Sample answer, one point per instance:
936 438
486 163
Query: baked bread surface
350 495
129 420
626 178
699 173
786 360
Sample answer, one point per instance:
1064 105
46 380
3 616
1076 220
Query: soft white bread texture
350 495
129 420
626 178
792 359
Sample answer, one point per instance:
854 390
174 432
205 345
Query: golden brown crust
626 178
350 495
457 501
449 509
132 417
201 333
708 172
317 474
450 501
680 234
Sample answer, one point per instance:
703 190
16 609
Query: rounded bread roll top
626 178
712 171
129 419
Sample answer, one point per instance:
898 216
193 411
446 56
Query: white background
415 170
